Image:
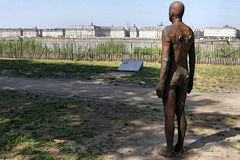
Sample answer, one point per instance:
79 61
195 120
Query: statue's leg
169 109
182 123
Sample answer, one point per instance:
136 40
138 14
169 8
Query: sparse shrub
147 51
27 47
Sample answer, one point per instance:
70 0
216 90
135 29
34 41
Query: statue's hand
190 86
159 90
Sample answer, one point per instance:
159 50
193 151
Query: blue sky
64 13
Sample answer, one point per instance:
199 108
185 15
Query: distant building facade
32 32
80 32
95 31
112 32
85 32
225 31
198 32
151 32
118 32
134 32
102 31
10 32
56 32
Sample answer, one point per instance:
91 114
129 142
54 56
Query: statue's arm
165 61
191 65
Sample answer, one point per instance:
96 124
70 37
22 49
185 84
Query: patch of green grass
221 134
81 155
208 78
191 131
156 109
218 119
231 117
126 123
42 120
189 117
215 76
38 151
237 148
57 68
11 138
87 133
110 135
209 149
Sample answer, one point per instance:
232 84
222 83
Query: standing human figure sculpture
175 80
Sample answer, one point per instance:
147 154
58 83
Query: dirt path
218 141
101 90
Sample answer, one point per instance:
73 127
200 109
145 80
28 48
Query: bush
220 51
110 48
147 51
31 46
226 51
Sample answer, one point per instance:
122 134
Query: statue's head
176 10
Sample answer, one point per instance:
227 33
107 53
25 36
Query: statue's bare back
180 37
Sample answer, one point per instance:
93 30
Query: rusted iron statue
175 79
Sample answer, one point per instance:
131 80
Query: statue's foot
165 152
178 149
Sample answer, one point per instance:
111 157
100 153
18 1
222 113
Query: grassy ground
43 127
217 78
33 126
58 69
208 78
36 127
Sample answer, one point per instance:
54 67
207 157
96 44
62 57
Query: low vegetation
34 127
46 127
42 127
208 78
56 69
28 47
218 51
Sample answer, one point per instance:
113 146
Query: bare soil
213 118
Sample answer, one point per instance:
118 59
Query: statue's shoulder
166 33
189 28
190 33
168 29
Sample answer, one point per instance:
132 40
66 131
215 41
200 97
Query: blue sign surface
131 66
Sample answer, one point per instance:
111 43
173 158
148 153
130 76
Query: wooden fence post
72 58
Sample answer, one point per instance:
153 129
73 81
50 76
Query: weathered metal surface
130 66
175 79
